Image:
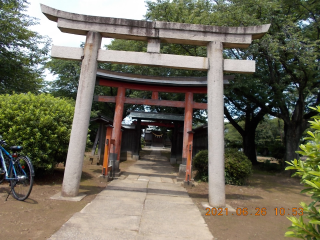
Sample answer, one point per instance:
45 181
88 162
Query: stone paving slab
115 206
132 177
155 179
143 178
68 233
118 193
166 180
100 221
174 199
145 204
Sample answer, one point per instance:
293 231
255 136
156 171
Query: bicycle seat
16 148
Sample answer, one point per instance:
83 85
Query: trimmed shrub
39 123
200 163
237 166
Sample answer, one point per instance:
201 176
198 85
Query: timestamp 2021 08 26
257 212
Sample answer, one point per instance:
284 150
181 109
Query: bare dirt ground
39 216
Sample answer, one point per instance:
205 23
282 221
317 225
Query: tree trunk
249 145
293 133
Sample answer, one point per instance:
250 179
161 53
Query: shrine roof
156 80
101 118
156 116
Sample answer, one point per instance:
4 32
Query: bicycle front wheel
22 172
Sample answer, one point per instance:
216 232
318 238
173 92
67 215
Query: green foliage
68 74
237 166
143 142
200 163
39 123
309 171
21 50
232 137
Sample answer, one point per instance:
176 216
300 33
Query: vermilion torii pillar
213 37
116 133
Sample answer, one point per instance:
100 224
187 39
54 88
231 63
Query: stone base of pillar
115 165
188 184
116 169
105 178
182 173
135 157
173 160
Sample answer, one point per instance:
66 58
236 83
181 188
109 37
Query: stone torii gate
214 38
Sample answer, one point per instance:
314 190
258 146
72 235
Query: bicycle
17 170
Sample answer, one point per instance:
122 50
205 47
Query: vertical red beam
107 151
155 95
187 124
118 158
116 133
189 157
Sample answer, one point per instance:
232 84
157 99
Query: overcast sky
130 9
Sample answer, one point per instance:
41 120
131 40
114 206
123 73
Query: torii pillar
215 125
80 124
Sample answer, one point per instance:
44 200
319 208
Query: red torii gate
123 81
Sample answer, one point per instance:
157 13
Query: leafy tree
268 137
232 137
22 51
309 171
67 73
287 78
40 123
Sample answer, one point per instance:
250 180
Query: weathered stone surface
143 30
115 206
154 59
216 125
80 124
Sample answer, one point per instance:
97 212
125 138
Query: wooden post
93 150
101 145
120 142
189 157
105 168
116 133
155 95
188 112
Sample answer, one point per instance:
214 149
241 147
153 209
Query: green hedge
40 123
237 166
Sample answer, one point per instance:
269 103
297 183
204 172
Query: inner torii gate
123 81
215 38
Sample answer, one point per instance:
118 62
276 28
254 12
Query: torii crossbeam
215 38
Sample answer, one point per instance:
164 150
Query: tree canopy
22 51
